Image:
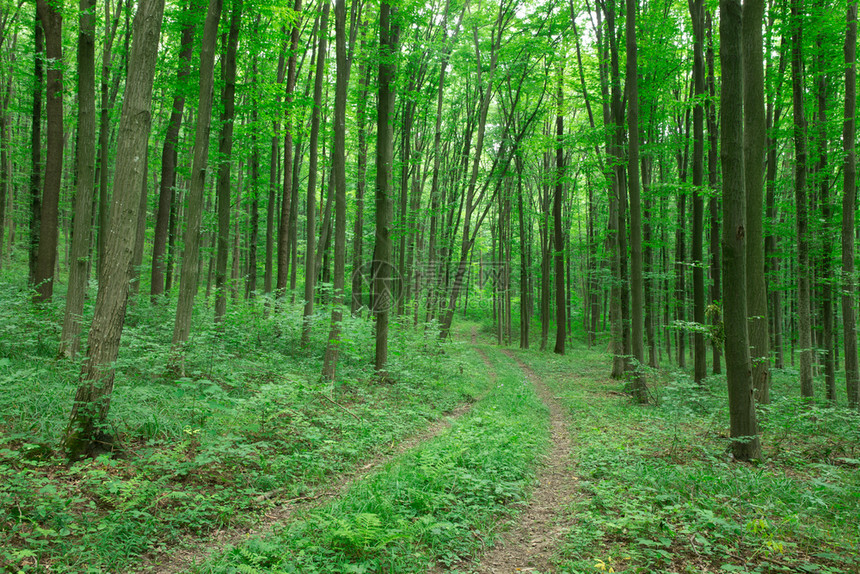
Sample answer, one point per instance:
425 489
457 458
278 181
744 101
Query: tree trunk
754 149
804 270
86 430
86 167
169 154
194 214
36 151
744 429
640 391
557 201
358 269
310 252
697 15
713 204
46 259
225 150
849 198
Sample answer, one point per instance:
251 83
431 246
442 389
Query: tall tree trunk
111 25
754 149
744 429
640 391
46 259
697 15
36 151
169 154
274 178
804 270
713 204
310 258
86 430
194 214
557 201
86 168
339 177
826 245
389 33
289 196
225 150
849 198
358 269
251 283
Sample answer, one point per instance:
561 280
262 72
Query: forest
446 286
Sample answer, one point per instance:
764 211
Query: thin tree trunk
169 156
754 148
358 269
803 267
697 15
713 204
849 198
389 34
86 430
86 159
310 250
557 201
640 391
225 150
194 214
744 429
46 259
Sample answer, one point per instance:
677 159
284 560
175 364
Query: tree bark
46 259
86 168
86 430
194 214
713 204
697 15
849 199
225 150
640 391
36 151
754 154
557 201
744 429
169 155
310 249
804 319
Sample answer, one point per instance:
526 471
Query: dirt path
529 545
195 550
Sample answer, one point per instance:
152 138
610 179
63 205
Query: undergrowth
434 505
242 423
660 493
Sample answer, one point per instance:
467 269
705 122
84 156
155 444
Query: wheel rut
530 543
190 551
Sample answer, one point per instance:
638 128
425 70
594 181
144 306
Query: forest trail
529 545
191 551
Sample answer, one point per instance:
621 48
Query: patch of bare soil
529 545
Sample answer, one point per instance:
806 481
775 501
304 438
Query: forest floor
475 459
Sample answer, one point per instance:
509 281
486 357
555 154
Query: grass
661 494
245 425
437 504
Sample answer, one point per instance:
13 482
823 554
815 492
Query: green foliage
430 505
242 425
661 493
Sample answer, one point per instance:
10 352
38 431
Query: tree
194 213
558 239
85 171
225 150
85 433
804 319
754 148
744 428
169 154
640 392
389 35
50 15
849 199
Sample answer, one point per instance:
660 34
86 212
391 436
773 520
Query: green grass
439 503
659 492
196 450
